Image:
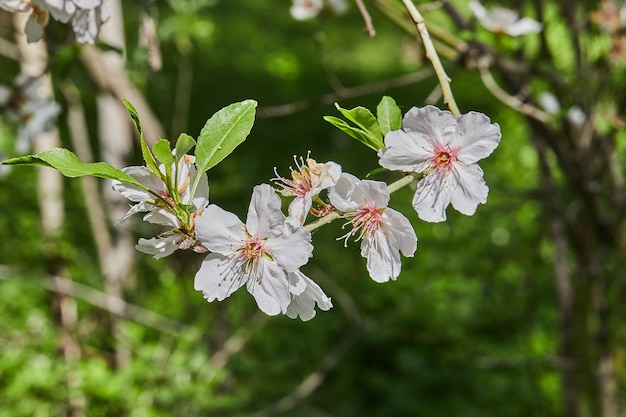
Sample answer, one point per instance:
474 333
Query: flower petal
524 26
292 248
87 4
146 177
341 194
303 305
374 194
398 228
471 190
159 247
219 230
297 282
433 194
216 278
383 261
406 151
271 290
265 218
476 137
436 125
161 217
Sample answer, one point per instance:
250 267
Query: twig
431 54
369 26
112 77
237 341
314 379
511 101
79 137
346 93
556 362
114 305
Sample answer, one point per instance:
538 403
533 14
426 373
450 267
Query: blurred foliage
468 329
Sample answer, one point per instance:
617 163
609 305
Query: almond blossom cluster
267 251
170 202
85 16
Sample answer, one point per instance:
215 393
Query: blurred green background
472 326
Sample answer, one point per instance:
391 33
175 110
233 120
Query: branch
345 93
511 101
369 27
114 305
431 54
314 379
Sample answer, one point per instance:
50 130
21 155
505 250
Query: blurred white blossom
309 9
501 20
548 101
85 16
28 106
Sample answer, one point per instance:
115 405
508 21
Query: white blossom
383 231
501 20
445 150
162 206
259 254
306 182
159 196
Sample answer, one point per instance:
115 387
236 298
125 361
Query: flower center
253 249
367 219
444 158
301 182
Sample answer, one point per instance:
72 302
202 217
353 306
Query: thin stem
431 54
369 26
511 101
322 221
402 182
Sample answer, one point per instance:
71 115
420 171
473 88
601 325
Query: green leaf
151 163
69 165
376 171
223 132
183 145
389 115
364 119
163 152
358 134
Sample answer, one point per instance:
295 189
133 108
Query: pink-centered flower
307 181
383 232
260 254
445 150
